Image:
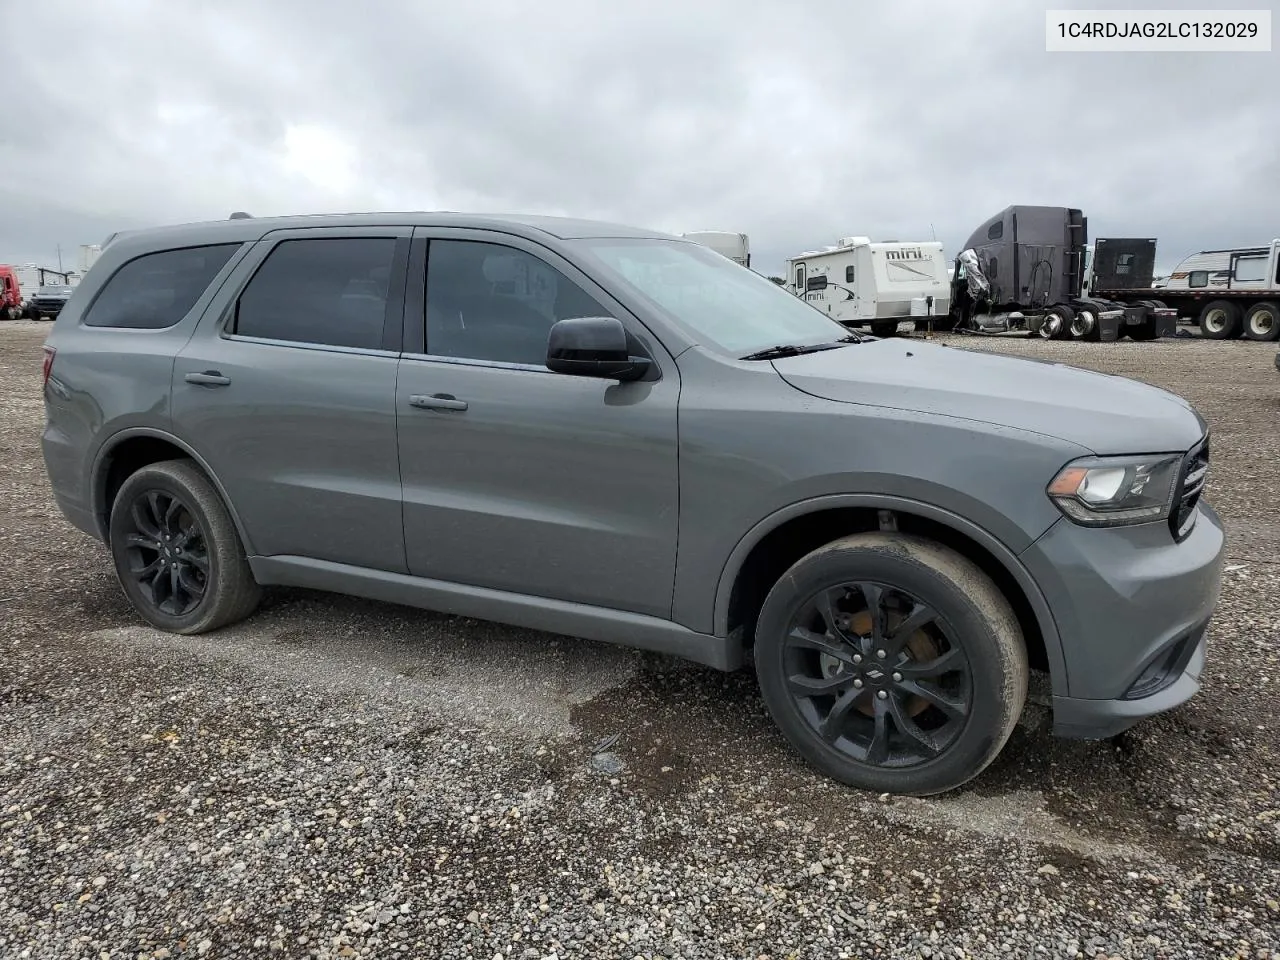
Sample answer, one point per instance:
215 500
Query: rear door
287 389
517 478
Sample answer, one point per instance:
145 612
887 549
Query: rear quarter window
157 290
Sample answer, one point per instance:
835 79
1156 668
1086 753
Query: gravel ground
337 778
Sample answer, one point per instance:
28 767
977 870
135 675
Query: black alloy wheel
876 674
891 663
177 553
167 553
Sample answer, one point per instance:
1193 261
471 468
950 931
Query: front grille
1191 481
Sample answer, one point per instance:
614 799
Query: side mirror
593 347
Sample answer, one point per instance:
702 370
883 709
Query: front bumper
1132 609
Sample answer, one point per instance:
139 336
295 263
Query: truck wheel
1146 330
1262 322
176 551
1056 323
891 663
1220 320
1084 325
884 328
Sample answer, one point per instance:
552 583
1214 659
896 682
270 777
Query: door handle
210 378
437 401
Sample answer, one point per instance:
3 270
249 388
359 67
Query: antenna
240 215
933 231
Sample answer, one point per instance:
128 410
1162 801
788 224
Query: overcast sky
797 122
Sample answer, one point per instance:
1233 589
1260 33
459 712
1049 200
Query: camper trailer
861 283
735 246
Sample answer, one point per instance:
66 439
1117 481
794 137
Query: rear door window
331 291
157 290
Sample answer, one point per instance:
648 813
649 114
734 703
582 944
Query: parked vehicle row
45 303
1033 268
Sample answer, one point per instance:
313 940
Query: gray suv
620 435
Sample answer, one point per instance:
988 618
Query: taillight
49 354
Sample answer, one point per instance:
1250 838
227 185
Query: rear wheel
1220 320
1084 325
891 663
884 328
1056 323
1262 322
176 550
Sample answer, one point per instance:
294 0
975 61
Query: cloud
796 122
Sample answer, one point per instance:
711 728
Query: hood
1102 413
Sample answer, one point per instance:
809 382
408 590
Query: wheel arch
755 564
127 451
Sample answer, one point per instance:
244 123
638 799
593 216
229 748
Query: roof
241 228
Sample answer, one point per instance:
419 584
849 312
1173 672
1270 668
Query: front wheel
176 551
884 328
891 663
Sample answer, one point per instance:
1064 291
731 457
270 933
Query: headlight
1112 491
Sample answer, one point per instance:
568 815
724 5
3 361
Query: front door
516 478
287 390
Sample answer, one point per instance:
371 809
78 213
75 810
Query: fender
1006 557
98 487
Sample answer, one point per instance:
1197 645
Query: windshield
721 303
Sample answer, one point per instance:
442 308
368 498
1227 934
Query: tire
972 617
1262 322
1084 325
1219 320
1056 323
884 328
228 592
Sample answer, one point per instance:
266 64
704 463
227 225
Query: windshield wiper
795 350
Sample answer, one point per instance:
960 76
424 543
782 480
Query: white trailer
861 283
89 253
735 246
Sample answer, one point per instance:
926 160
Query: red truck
11 305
